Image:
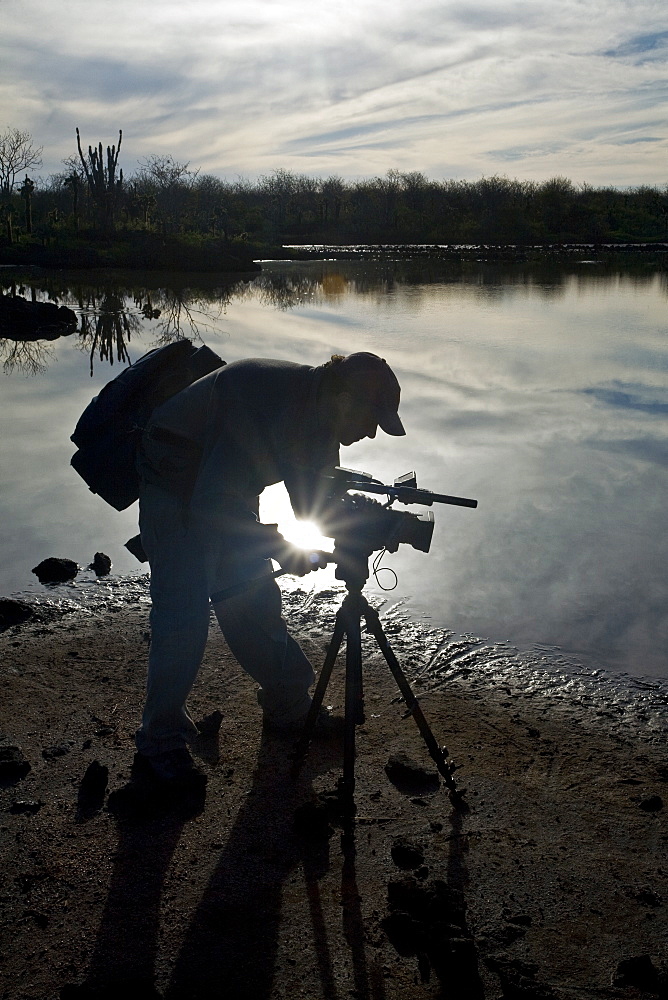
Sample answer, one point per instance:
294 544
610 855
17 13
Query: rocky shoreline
553 883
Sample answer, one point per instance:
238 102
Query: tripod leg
319 693
354 703
372 620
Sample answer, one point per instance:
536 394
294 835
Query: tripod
354 571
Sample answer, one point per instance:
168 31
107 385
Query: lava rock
56 570
520 919
405 854
518 978
101 564
649 898
638 972
92 787
209 726
22 806
50 753
428 920
652 804
13 612
410 777
41 919
24 320
434 901
13 765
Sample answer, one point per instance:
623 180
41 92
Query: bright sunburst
275 508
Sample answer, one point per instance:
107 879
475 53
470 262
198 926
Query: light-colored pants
189 562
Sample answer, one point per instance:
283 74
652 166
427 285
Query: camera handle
241 588
349 616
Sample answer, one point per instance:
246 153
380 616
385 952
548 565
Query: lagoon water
540 391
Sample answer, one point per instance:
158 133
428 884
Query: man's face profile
355 418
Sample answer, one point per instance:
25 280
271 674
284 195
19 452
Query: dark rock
518 979
50 753
92 787
428 921
406 854
13 765
105 731
433 901
410 777
638 972
41 919
101 564
13 612
649 898
521 919
28 806
210 725
24 320
55 570
652 804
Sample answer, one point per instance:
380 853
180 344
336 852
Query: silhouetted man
207 455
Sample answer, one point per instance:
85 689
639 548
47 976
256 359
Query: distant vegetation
165 203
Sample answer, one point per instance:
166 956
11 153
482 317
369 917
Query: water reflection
27 357
113 311
540 390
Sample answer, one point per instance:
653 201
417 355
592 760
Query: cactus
26 191
103 184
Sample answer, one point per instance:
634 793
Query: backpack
109 429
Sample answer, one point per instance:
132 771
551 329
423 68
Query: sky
454 89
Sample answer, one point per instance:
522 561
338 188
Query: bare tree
165 171
17 153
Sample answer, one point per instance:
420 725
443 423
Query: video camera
360 525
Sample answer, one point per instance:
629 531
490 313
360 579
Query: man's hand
298 562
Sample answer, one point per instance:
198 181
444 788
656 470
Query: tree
17 153
103 184
165 171
7 213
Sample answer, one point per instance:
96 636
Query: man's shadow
233 935
232 940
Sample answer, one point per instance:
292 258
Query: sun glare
275 508
306 535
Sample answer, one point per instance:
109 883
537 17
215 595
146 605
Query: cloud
632 396
656 42
452 89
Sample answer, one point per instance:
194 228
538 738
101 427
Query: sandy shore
554 884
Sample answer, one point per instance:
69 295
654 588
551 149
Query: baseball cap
371 378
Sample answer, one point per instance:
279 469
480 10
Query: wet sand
554 883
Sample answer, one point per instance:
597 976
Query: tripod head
361 525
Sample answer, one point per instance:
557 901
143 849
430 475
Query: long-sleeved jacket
254 423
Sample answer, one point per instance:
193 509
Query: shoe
169 768
326 724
